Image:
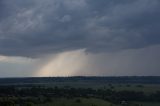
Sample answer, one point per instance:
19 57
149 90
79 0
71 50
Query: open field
77 102
93 102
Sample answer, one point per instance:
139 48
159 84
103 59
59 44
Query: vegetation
108 94
11 95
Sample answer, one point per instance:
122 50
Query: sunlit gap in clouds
64 64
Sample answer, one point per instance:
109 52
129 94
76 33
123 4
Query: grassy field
91 102
147 88
145 104
77 102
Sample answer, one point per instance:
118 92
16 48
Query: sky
79 38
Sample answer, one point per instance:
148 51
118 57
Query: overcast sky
79 37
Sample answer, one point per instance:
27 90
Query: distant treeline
124 79
10 93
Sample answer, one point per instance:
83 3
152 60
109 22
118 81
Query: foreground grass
145 104
91 102
78 102
82 102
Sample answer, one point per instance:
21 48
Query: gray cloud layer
38 27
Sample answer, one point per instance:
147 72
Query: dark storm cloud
39 27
